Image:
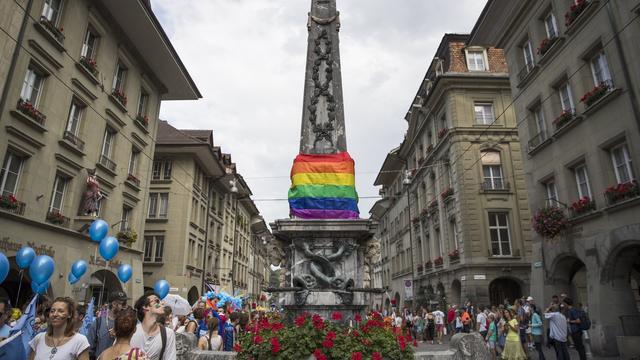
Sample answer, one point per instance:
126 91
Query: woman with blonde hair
60 341
513 348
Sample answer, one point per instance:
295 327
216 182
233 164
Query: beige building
575 79
454 219
198 224
81 97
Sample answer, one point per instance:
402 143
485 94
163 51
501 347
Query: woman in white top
60 341
211 341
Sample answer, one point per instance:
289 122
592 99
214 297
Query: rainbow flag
323 187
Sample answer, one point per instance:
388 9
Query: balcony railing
621 192
72 138
581 207
525 71
10 204
538 139
495 185
564 118
108 163
133 179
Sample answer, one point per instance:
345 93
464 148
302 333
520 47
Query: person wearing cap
101 333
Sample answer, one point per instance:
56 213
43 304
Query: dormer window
476 59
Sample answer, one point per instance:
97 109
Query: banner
408 289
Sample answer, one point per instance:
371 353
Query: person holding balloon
60 341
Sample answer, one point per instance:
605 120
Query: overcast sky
247 57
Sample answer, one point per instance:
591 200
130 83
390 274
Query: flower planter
438 261
454 255
621 192
564 119
545 45
447 193
56 32
57 218
574 11
9 202
549 222
127 237
595 94
26 108
120 97
143 120
89 64
582 206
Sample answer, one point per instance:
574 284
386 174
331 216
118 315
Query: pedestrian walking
536 332
101 334
557 331
439 316
575 328
492 337
513 347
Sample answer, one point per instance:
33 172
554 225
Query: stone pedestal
325 263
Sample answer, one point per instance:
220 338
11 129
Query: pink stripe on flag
324 214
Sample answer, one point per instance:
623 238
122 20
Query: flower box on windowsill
26 108
11 204
447 193
546 50
57 218
581 207
621 192
601 100
127 237
454 256
438 261
93 78
578 13
567 120
133 180
120 99
54 35
142 122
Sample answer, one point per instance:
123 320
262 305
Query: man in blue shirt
5 313
575 329
558 331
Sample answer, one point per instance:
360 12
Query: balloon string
19 286
106 263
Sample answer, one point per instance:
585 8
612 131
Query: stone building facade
78 112
456 224
575 84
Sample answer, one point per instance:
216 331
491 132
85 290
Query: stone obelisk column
323 129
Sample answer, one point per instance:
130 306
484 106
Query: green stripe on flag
323 191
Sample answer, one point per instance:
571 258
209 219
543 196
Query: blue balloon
124 272
79 268
41 269
109 247
161 288
4 267
24 257
98 230
39 288
72 279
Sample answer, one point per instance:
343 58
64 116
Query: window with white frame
10 173
153 248
582 181
158 204
107 143
161 170
133 161
552 193
527 54
500 235
541 126
566 99
57 196
119 77
143 103
475 60
483 113
32 86
600 69
125 218
75 115
492 170
622 163
89 45
453 230
51 10
550 26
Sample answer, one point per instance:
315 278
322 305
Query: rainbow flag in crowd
323 187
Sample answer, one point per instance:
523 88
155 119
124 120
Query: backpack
163 337
585 322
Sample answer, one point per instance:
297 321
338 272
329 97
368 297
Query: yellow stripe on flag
323 179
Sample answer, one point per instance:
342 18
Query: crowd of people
512 331
119 331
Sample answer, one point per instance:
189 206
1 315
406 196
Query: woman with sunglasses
60 341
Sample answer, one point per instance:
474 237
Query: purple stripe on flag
324 214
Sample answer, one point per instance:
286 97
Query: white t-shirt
68 351
152 344
439 315
215 341
481 319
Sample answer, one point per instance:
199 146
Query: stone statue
91 196
371 256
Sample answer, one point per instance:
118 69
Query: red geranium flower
331 335
327 343
336 316
257 339
277 326
275 345
415 343
237 348
376 356
356 355
300 320
318 323
358 317
319 355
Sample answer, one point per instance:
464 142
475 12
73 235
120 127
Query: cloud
248 59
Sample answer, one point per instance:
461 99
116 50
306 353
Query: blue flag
18 343
88 319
